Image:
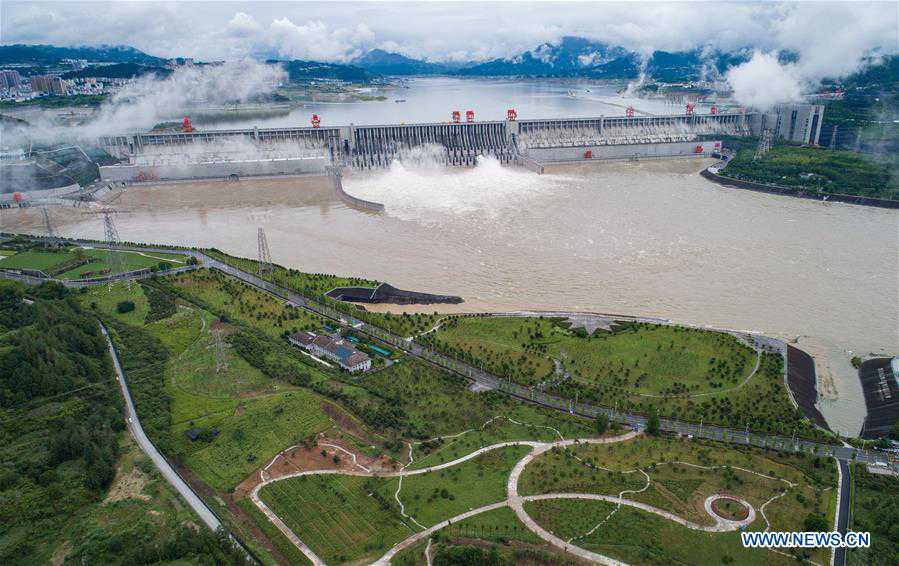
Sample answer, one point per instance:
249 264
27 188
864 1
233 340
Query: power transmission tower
221 360
265 256
48 227
764 145
114 259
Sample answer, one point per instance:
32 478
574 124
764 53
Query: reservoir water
650 238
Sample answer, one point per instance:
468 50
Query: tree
653 427
894 432
125 306
602 423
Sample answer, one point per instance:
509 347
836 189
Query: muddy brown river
649 238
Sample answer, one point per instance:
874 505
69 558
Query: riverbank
650 239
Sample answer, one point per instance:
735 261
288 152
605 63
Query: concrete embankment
587 153
711 175
802 381
337 180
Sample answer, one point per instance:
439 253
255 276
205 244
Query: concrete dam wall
272 151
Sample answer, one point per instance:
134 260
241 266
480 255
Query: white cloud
831 37
243 25
763 82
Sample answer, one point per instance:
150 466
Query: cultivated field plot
241 302
436 496
337 516
794 490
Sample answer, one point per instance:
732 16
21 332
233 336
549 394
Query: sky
830 35
831 38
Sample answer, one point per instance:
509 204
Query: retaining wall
794 191
214 170
337 180
622 151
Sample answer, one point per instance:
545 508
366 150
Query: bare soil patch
730 509
321 456
127 486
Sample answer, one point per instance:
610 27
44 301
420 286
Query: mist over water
418 187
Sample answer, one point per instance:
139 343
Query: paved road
493 382
839 554
137 432
487 380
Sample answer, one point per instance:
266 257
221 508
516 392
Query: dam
237 153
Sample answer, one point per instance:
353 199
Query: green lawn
242 303
130 261
498 528
107 297
636 537
682 489
875 509
640 358
840 171
337 516
65 259
682 373
35 259
424 403
436 496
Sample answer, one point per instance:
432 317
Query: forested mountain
48 54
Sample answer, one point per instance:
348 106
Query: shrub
125 307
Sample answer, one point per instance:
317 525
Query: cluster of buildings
15 87
335 349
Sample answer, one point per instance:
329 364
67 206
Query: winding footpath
514 500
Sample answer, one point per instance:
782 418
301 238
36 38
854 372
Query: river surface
433 99
650 238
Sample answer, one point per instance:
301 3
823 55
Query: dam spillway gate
309 149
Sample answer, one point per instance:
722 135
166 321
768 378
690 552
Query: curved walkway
513 500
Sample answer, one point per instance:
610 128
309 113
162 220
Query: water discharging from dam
419 187
649 238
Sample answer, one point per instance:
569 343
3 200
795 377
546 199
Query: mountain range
569 57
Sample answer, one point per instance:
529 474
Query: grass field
681 488
436 496
499 527
427 403
636 537
243 303
107 297
875 509
639 358
57 260
682 373
254 416
845 172
337 516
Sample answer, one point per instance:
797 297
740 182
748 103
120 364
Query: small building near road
339 350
